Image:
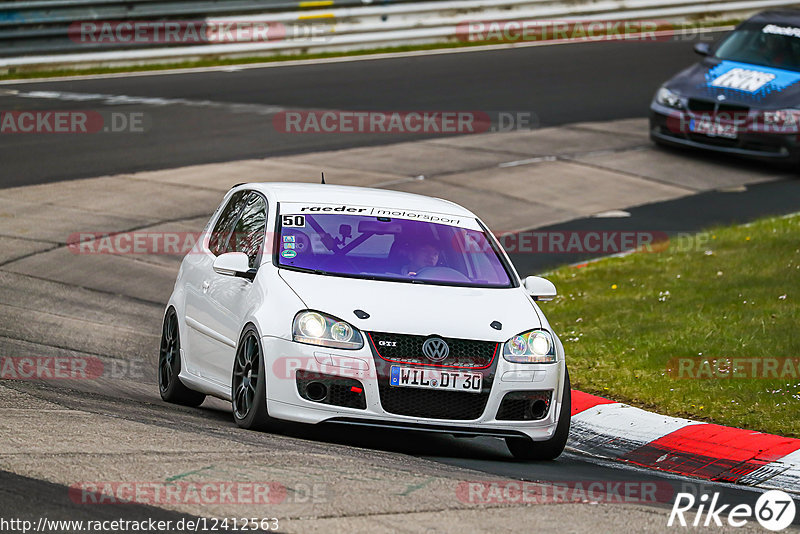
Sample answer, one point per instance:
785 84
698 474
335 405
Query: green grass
736 296
25 73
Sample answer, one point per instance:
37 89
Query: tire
527 449
169 366
248 388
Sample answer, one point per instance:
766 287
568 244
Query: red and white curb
608 429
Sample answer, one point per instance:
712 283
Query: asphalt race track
558 84
487 458
226 116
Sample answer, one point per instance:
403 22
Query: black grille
696 104
433 404
339 389
517 406
428 403
735 112
466 353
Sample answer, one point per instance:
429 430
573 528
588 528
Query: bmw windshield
770 45
387 244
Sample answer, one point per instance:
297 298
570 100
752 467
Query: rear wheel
248 387
169 366
527 449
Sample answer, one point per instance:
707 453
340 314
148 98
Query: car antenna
323 177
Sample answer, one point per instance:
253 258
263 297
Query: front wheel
248 387
169 366
527 449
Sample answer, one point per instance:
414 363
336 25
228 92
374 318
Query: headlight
536 346
316 328
665 97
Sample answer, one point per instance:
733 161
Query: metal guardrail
42 26
338 27
46 12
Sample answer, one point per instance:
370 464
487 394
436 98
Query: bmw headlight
665 97
316 328
536 346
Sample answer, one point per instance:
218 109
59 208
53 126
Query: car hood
419 309
751 85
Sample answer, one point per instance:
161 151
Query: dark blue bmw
743 98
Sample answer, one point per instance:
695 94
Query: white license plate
713 128
410 377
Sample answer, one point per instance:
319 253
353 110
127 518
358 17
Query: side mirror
234 264
702 48
540 288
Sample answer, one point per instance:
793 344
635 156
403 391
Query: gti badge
435 349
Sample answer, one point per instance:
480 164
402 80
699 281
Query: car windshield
774 45
389 247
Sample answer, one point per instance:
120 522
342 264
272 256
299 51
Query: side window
248 235
222 230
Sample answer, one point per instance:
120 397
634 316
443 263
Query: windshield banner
305 208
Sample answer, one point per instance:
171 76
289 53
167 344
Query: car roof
351 195
777 16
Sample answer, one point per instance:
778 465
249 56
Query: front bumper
285 358
667 126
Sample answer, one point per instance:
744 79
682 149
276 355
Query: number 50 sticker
293 221
775 510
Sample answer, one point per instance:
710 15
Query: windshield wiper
305 269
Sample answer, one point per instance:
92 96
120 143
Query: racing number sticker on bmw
743 79
293 221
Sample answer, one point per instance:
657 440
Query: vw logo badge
435 349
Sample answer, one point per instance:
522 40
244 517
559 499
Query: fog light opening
316 391
538 409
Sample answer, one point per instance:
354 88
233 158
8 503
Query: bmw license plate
713 128
410 377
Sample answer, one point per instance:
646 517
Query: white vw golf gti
322 303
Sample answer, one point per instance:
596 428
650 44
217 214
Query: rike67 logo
774 510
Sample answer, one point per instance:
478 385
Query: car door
203 340
231 297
